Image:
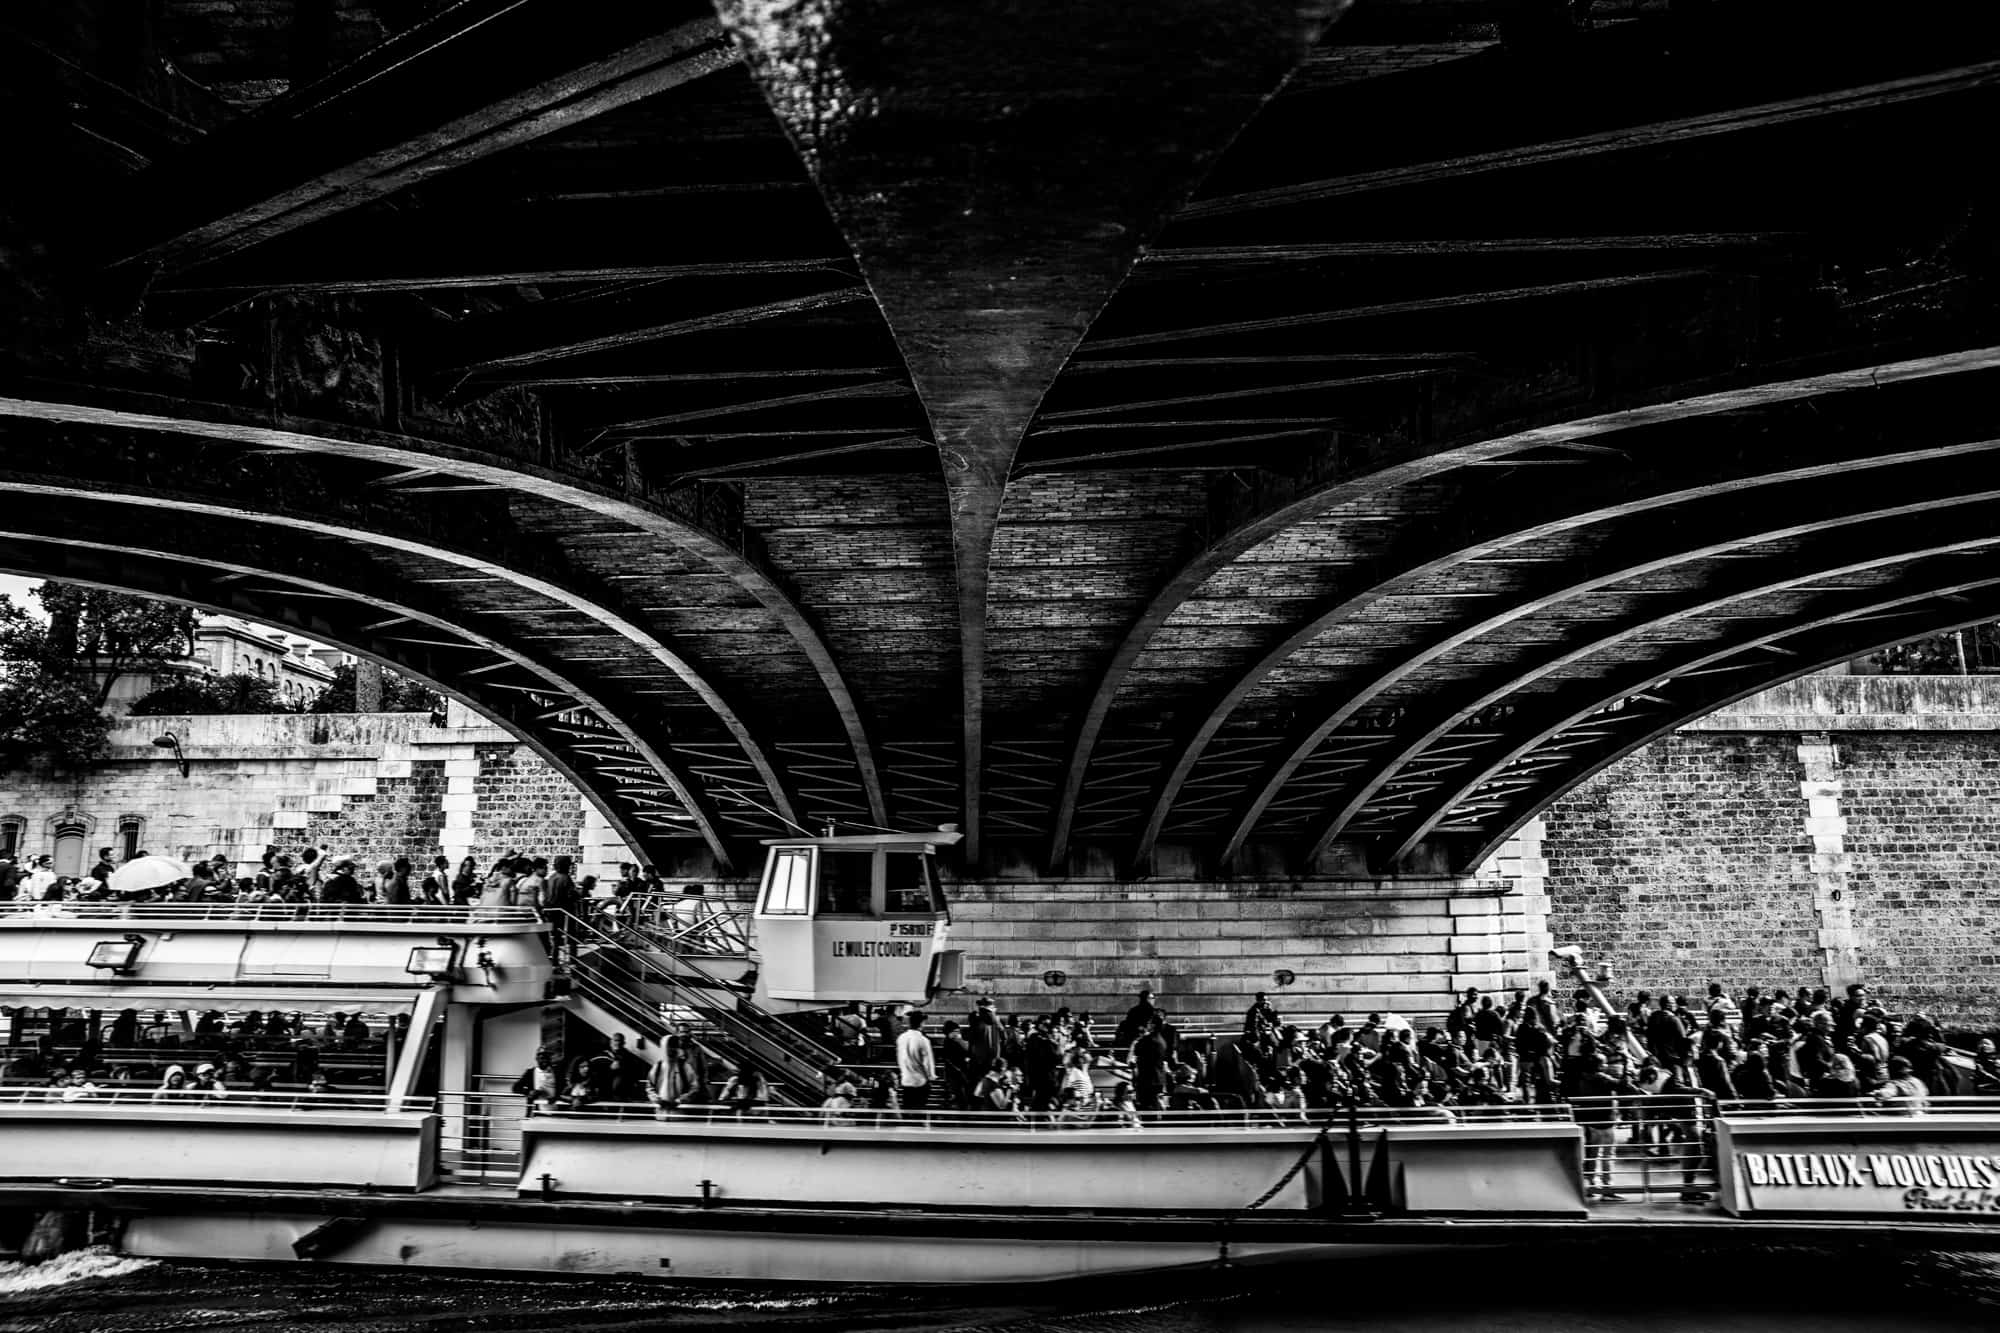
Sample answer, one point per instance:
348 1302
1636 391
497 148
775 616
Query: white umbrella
148 872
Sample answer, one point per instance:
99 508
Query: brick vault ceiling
1285 433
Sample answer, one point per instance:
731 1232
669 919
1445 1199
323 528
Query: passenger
530 882
1150 1058
882 1101
1076 1098
1597 1111
436 886
841 1095
465 884
1288 1098
955 1057
995 1089
1260 1011
79 1088
850 1026
628 1071
124 1034
1904 1094
746 1091
340 886
916 1063
1124 1112
1136 1018
1840 1082
691 911
397 892
1985 1069
537 1084
207 1083
1041 1064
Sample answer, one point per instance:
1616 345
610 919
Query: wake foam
66 1270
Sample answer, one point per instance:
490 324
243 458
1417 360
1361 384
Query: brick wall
1923 840
520 802
402 816
1833 828
1687 863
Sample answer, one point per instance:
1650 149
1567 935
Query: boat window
909 892
846 882
791 876
938 903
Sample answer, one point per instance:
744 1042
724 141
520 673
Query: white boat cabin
854 917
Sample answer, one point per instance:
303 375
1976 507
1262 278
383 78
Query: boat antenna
781 818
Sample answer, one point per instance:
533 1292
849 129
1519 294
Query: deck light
120 956
436 961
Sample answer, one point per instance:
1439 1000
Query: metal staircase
629 978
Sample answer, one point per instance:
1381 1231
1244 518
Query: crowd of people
318 875
1648 1062
265 1053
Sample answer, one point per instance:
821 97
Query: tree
107 635
49 706
399 694
205 695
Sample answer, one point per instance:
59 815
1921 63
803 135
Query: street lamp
166 740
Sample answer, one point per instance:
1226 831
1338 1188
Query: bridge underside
1260 436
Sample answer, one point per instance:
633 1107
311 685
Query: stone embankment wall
379 785
1837 828
1832 829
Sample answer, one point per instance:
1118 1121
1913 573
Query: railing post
1357 1190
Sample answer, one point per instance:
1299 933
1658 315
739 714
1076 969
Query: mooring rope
1318 1140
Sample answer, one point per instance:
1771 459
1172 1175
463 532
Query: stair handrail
795 1056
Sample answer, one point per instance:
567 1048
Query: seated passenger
680 1078
745 1091
173 1087
1904 1093
1288 1098
79 1088
207 1082
1076 1098
995 1089
841 1095
1124 1111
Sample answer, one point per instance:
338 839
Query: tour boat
419 1151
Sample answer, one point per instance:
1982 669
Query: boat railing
1862 1105
1367 1118
85 1101
110 910
684 924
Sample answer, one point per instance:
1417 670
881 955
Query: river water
1598 1288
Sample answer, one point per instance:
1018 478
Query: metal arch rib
1682 714
1413 468
609 617
1347 607
669 768
147 412
1892 551
1358 700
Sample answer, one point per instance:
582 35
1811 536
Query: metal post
1357 1191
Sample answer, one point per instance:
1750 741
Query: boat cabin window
908 883
846 882
790 881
